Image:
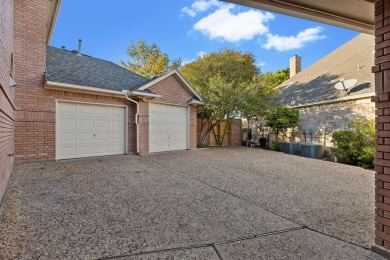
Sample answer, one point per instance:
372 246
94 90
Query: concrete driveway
223 203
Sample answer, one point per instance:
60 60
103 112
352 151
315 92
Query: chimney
295 65
79 49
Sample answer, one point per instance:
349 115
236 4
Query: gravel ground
195 205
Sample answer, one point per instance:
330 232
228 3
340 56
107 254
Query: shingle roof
316 83
66 67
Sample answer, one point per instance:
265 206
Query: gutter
138 93
83 89
136 120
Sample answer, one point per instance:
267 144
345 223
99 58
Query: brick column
143 127
193 127
382 104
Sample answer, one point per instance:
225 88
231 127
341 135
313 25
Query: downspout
136 119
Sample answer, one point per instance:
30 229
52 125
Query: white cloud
185 62
283 43
261 64
226 25
200 6
201 54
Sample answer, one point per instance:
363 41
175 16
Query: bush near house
281 118
357 144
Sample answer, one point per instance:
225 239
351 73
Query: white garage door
167 128
85 130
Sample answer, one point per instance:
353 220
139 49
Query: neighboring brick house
324 109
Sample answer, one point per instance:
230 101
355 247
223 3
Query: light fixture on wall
12 82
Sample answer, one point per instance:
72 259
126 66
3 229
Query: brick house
95 107
25 29
323 108
26 26
69 105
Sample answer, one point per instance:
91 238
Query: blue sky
187 29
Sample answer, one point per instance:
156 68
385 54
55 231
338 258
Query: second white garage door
168 129
85 130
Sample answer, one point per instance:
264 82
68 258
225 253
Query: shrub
357 144
202 146
276 145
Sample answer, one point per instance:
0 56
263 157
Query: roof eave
53 7
83 89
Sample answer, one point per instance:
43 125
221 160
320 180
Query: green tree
148 60
273 80
229 82
280 118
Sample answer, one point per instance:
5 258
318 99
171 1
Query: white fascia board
196 103
336 100
137 93
83 89
186 84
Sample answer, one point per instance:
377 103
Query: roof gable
177 75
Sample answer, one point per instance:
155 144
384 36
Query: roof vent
79 49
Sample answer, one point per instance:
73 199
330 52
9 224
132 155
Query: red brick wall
171 91
7 110
144 127
35 106
30 56
382 99
193 127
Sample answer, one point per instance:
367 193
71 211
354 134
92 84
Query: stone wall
323 120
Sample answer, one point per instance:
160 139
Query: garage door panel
104 111
167 128
103 136
85 130
118 112
67 152
117 136
115 149
103 149
86 110
103 123
68 137
68 122
86 123
86 150
86 136
118 124
66 108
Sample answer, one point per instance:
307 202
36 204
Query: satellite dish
345 84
